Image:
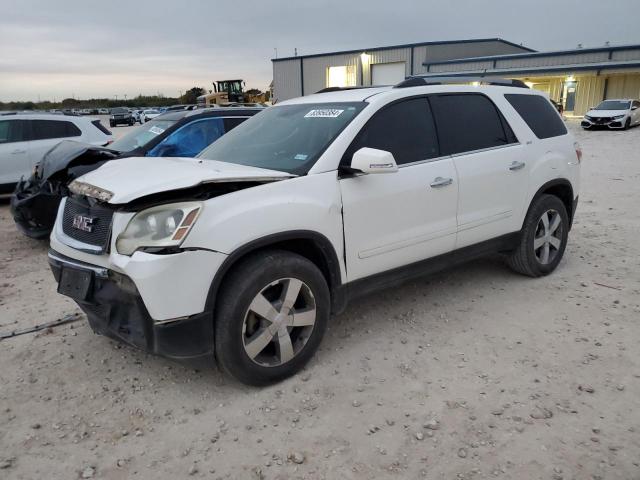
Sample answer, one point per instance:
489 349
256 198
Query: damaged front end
35 201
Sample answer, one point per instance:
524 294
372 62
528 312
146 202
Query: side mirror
635 107
372 160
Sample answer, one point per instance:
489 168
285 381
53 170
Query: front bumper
608 124
114 308
34 208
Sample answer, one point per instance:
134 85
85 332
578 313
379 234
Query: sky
54 49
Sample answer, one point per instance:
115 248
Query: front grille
94 218
603 119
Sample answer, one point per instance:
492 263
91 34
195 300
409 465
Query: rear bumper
114 308
34 209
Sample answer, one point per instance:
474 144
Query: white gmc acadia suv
246 250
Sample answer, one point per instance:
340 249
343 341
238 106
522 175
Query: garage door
387 73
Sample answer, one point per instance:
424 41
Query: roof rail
421 81
339 89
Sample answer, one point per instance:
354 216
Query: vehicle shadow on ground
376 312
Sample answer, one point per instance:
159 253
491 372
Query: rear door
490 162
14 153
396 219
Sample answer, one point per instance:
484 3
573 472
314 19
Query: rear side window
99 126
45 129
405 129
12 131
539 114
232 122
468 122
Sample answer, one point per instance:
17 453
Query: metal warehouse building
578 79
306 74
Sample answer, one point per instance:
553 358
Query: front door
394 219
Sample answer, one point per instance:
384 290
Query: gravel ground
472 373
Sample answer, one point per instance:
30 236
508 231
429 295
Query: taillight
576 145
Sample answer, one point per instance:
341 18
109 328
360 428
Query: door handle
441 182
17 151
516 166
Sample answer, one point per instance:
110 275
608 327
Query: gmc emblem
83 223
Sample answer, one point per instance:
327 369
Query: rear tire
272 312
543 238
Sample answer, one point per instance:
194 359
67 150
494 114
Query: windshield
289 138
141 135
119 110
613 105
151 112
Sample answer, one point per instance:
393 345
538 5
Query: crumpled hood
606 113
59 157
135 177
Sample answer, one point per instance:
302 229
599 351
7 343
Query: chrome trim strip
488 149
99 271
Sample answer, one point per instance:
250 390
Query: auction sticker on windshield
324 113
156 130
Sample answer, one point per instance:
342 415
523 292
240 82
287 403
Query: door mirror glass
372 160
635 107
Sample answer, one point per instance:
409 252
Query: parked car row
244 250
35 201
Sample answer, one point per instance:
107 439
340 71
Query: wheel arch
309 244
561 188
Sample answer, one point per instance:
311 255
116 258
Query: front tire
627 124
271 315
543 238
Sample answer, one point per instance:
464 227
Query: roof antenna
607 43
579 45
295 52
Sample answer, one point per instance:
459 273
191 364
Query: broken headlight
161 226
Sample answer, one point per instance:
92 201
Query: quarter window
46 129
468 122
404 128
538 114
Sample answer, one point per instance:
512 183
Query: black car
34 203
121 116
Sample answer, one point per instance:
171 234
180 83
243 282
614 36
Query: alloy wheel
279 322
548 237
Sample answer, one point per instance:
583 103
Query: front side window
468 122
190 140
405 129
142 135
289 138
47 129
12 131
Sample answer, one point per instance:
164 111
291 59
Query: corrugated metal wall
552 60
386 56
625 55
315 70
286 79
589 93
624 86
461 67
